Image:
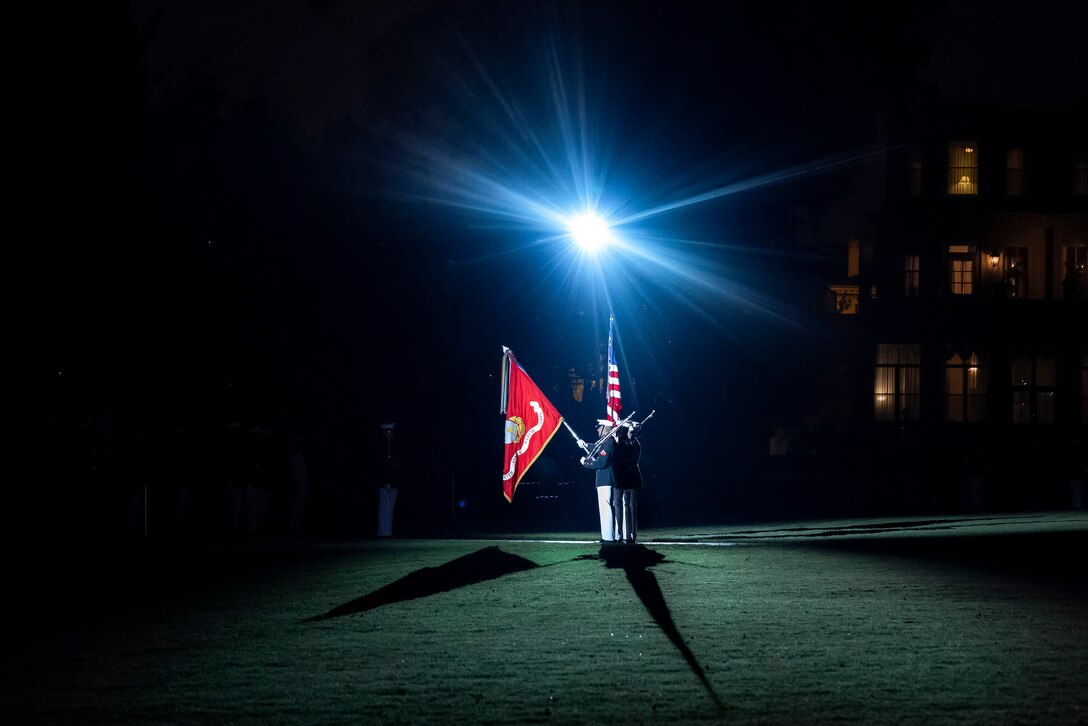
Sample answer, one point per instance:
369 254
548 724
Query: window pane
1016 271
896 383
885 381
911 275
976 380
977 386
1021 371
953 380
953 392
1045 371
892 354
1044 407
1075 272
1014 173
908 393
1021 411
962 277
962 168
884 394
965 388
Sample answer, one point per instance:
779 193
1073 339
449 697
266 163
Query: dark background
244 227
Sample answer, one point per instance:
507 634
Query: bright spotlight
589 231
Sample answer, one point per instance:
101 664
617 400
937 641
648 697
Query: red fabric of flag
613 402
531 421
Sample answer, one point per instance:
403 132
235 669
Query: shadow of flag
480 566
636 561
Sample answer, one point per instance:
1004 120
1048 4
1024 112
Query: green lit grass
950 621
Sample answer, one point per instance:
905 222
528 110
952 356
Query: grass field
946 620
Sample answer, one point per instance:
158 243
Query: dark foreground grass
952 620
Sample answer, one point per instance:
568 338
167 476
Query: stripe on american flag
613 399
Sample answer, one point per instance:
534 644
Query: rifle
590 453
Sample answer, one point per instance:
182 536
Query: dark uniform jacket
625 463
602 462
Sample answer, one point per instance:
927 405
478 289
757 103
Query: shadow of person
635 561
486 564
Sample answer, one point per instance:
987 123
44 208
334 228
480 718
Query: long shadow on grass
1052 559
854 528
635 561
486 564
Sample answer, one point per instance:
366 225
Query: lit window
897 383
963 275
1033 389
577 385
853 258
961 269
912 267
965 384
1016 271
1014 173
845 299
1075 272
963 167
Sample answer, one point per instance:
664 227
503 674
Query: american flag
612 402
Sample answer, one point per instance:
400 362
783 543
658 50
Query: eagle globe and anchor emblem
515 429
516 433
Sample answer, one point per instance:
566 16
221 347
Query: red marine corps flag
531 421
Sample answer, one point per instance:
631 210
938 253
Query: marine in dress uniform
628 480
389 480
601 462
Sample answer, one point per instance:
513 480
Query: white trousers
609 532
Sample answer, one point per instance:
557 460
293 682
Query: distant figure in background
780 441
628 481
601 462
388 481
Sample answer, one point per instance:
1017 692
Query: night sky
309 218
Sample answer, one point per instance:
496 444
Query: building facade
968 310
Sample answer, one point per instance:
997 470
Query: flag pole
577 438
505 375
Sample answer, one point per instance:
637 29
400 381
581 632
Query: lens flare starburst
532 150
589 232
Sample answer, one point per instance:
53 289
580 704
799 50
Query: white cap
605 423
